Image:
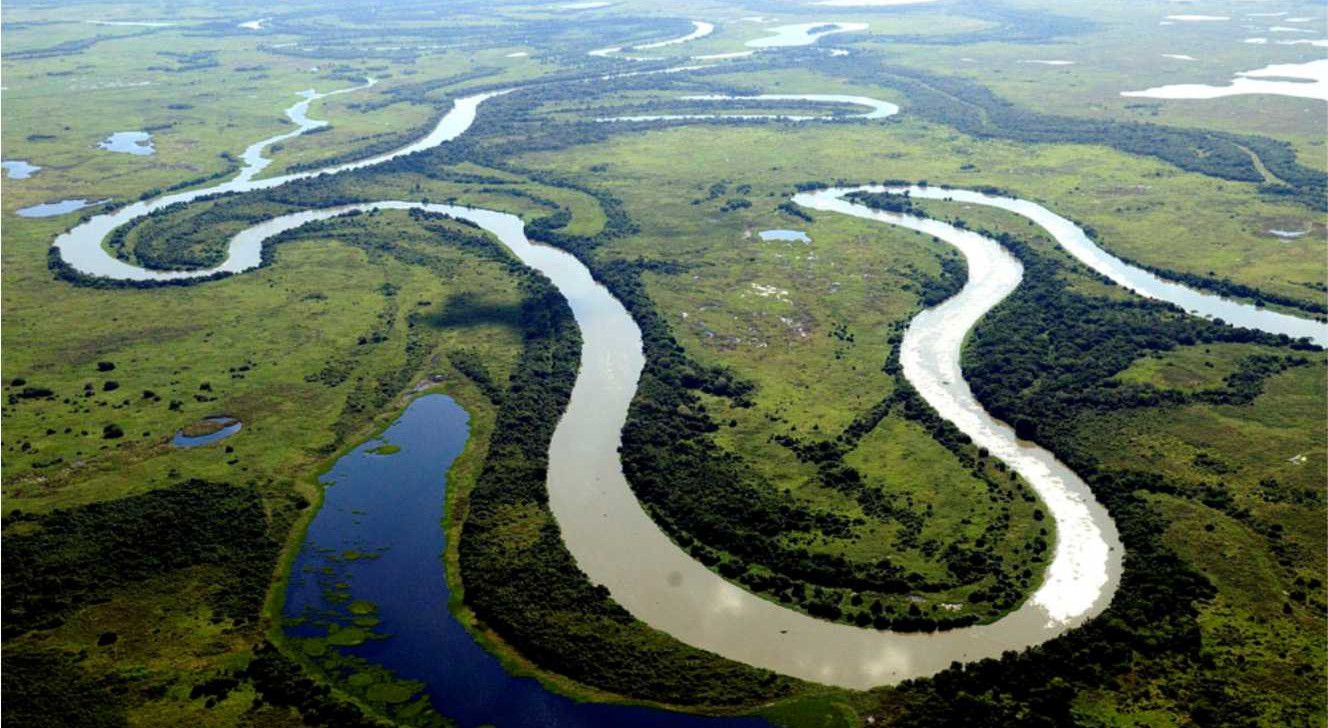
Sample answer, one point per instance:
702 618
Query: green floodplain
142 580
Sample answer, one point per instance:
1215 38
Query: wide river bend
608 532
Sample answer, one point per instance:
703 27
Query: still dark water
391 506
232 426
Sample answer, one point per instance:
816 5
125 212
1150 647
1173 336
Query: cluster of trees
471 364
45 687
69 558
192 235
232 166
933 290
368 146
886 201
1063 350
417 93
1246 383
281 682
185 62
72 47
61 270
789 208
535 596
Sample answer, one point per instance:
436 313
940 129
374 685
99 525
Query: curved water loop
1076 242
608 532
81 247
877 109
700 29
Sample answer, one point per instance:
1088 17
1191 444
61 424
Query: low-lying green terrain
1202 441
773 435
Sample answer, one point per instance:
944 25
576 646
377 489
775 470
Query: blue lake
183 440
796 235
391 507
51 209
19 169
129 142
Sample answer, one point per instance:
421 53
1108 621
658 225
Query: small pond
214 429
51 209
138 143
19 169
794 235
1288 234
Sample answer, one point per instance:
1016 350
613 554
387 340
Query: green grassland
1141 209
1123 51
319 350
59 108
1191 368
807 323
326 295
1260 541
195 116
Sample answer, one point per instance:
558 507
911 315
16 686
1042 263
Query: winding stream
802 34
255 162
602 522
1076 242
877 109
700 29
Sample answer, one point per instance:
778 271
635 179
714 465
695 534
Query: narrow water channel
1076 242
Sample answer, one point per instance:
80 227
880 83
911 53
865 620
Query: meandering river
1076 242
618 545
877 109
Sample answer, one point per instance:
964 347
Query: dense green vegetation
723 512
800 463
45 687
63 560
69 559
521 581
173 601
1049 360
